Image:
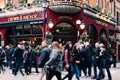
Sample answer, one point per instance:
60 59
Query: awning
65 8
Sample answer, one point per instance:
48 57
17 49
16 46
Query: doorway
64 32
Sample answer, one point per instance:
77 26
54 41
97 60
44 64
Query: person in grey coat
54 65
44 57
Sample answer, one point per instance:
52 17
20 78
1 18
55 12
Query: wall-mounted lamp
44 4
50 23
80 23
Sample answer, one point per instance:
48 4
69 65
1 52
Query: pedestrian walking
54 65
104 64
68 59
33 59
2 58
83 59
90 52
8 56
26 60
76 61
18 57
44 57
96 60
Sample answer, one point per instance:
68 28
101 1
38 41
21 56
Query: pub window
86 1
36 1
8 2
19 30
22 2
30 1
107 6
101 3
27 29
97 2
36 29
2 4
110 7
118 18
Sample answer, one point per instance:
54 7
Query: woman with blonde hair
54 64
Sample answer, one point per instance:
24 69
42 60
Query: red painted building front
97 30
26 27
30 28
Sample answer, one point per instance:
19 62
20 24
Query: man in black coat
44 57
33 59
83 59
96 60
104 64
26 60
90 52
8 56
2 58
18 57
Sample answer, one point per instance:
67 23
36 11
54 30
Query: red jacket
68 57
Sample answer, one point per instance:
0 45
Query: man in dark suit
96 60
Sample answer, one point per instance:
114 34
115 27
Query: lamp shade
44 3
78 22
82 25
50 24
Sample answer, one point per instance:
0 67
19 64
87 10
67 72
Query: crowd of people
53 59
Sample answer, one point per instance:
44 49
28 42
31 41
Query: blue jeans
75 70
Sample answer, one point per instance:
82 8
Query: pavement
7 75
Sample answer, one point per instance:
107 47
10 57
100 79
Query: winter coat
55 60
44 56
96 59
7 51
2 54
33 56
18 54
105 59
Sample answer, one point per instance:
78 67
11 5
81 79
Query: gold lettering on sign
101 23
22 17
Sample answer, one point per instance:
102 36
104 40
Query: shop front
27 27
67 28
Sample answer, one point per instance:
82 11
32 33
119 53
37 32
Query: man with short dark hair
44 57
18 57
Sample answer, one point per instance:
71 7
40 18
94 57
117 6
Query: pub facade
66 20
